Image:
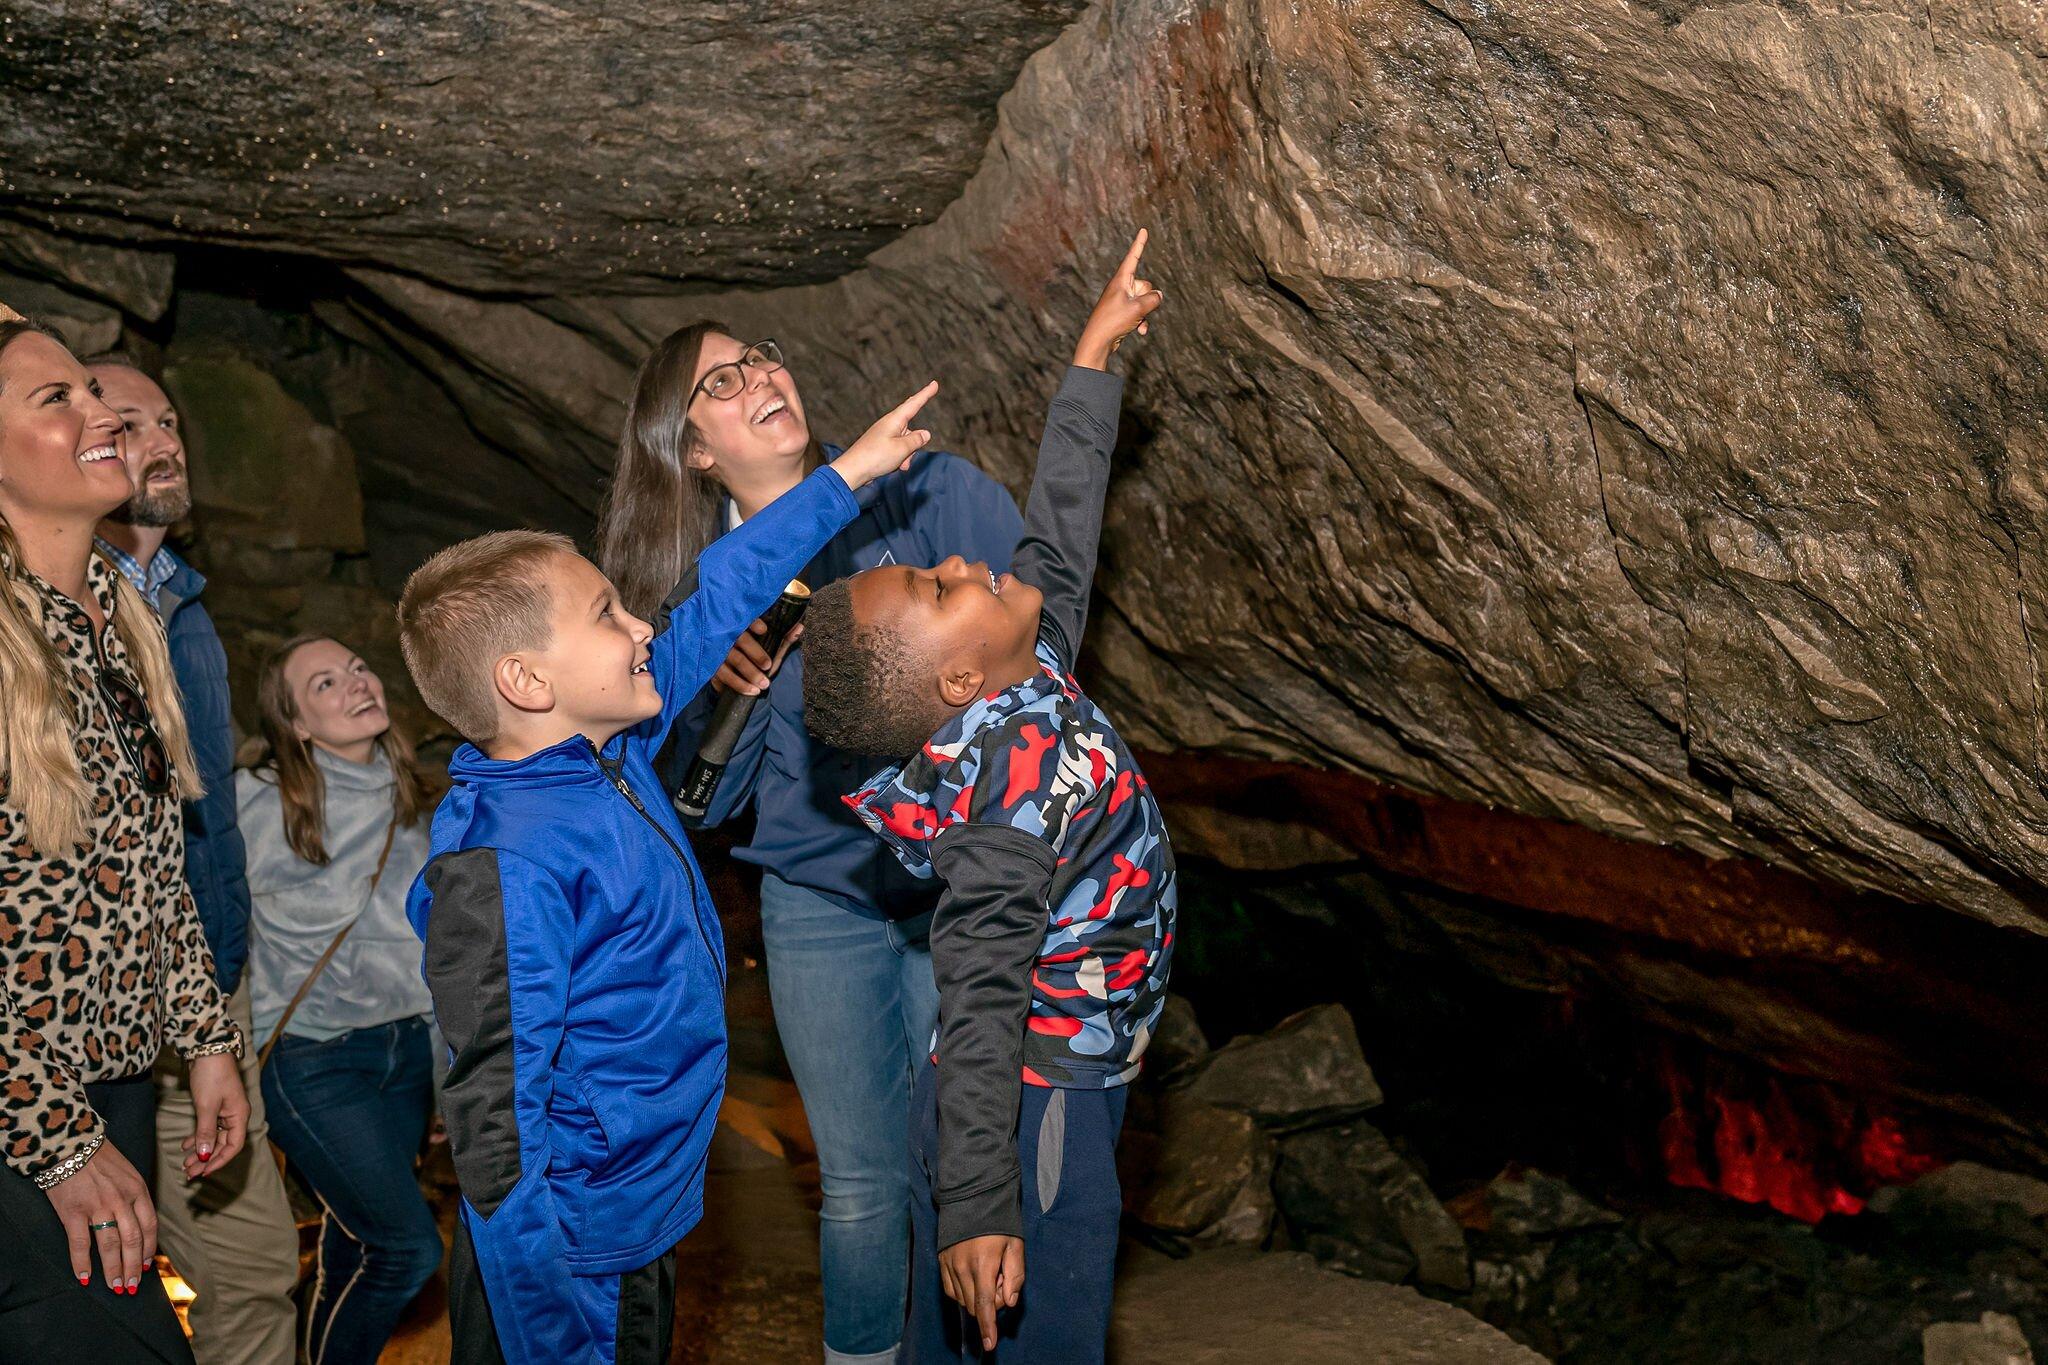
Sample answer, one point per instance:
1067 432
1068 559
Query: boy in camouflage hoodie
1055 926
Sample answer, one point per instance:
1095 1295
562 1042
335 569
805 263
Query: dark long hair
659 513
290 762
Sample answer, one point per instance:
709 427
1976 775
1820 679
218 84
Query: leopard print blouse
101 955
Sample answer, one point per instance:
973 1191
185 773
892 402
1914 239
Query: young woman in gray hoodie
334 821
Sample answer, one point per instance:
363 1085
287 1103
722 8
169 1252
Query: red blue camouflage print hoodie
1055 923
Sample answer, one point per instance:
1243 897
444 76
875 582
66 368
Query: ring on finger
102 1227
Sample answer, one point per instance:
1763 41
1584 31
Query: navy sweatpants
1066 1142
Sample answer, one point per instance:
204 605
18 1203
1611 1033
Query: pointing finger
1130 266
907 409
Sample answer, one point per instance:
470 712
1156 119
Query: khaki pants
230 1235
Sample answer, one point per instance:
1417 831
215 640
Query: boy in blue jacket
576 962
1055 920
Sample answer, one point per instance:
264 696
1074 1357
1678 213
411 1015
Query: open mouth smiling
774 407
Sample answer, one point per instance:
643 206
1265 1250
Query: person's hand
107 1190
888 444
1125 304
748 668
223 1114
983 1274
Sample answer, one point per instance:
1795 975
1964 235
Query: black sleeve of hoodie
1063 515
986 937
465 968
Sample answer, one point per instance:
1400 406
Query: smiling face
597 656
152 446
60 455
978 628
337 701
760 433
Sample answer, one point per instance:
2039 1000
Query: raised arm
1063 515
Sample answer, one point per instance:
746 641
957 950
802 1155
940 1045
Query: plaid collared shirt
148 581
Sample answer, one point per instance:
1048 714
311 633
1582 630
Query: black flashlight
729 717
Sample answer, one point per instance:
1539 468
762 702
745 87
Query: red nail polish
206 1153
85 1279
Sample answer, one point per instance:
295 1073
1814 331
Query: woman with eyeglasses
333 819
716 432
101 953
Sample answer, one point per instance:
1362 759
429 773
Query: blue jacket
578 971
803 833
213 842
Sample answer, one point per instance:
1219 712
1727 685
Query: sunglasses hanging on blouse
135 728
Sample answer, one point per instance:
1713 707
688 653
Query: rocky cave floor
748 1280
1289 1203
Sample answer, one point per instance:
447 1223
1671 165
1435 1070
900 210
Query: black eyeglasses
135 728
729 380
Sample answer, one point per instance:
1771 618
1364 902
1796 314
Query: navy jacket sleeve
738 577
214 856
1063 515
498 936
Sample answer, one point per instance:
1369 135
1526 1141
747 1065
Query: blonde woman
334 827
101 953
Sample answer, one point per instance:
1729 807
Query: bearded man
230 1236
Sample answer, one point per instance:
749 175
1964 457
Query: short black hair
863 688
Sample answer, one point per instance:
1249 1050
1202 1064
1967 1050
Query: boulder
1970 1185
1532 1206
1204 1175
1177 1040
1307 1069
1350 1196
263 470
1993 1339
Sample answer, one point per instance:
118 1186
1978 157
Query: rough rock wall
1628 413
498 144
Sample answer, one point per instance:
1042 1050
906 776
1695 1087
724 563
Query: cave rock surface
1626 413
505 144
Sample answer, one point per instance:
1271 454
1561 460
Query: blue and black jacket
578 969
940 506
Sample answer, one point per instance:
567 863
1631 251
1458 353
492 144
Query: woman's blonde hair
39 770
289 761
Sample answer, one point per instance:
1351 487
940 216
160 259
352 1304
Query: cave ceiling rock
1623 414
505 145
1628 414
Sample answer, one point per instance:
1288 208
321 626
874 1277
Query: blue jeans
1072 1206
350 1114
854 1005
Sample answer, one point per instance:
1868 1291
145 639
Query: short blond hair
468 607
